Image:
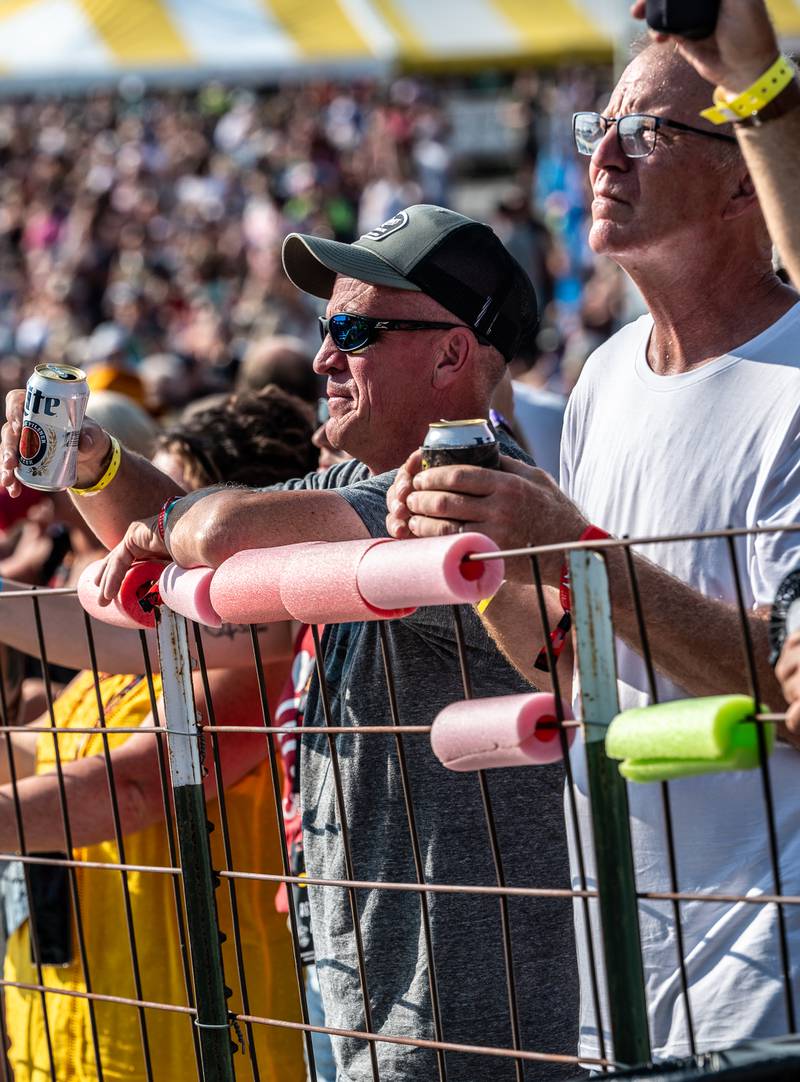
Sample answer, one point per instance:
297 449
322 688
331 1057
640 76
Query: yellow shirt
266 945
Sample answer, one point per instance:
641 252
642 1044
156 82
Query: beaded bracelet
163 515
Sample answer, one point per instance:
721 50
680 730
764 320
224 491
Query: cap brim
312 264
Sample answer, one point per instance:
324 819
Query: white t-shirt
642 455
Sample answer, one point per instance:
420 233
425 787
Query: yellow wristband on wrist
751 101
108 476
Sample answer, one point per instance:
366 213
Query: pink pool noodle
188 592
246 588
88 593
321 587
510 730
429 571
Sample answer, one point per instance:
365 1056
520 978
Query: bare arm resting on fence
695 641
206 532
743 48
119 650
136 777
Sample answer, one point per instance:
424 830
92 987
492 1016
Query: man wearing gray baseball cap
459 262
423 312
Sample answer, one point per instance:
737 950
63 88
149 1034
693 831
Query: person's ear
743 198
453 354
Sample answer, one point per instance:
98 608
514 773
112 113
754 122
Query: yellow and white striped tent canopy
90 39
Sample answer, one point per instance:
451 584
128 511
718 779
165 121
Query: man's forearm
514 623
88 806
207 532
118 650
772 154
695 641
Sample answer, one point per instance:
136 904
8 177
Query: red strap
591 533
558 636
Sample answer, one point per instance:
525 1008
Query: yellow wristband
108 476
751 101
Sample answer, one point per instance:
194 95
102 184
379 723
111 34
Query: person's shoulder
338 476
611 362
778 344
365 492
510 447
343 474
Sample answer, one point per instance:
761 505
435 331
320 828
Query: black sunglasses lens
349 332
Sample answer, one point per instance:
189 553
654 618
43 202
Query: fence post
609 804
186 775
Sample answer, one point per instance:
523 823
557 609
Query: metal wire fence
200 901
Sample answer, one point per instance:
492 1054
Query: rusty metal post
186 775
608 797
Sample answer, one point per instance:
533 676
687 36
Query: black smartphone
50 912
689 18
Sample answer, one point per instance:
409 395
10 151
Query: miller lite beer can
470 443
55 402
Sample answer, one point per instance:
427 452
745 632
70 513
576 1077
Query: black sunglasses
355 332
636 134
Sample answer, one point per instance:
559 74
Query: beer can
55 402
471 443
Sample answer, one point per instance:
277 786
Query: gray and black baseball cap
457 261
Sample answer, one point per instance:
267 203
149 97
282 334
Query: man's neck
698 317
384 458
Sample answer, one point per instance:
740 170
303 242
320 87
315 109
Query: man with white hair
687 420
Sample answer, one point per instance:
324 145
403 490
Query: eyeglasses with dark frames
637 133
352 332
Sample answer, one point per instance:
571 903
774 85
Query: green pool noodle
686 738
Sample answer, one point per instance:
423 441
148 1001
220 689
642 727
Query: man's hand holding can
94 447
517 506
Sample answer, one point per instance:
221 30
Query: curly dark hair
258 438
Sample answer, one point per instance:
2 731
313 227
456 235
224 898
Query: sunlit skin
328 455
742 48
374 393
684 222
638 202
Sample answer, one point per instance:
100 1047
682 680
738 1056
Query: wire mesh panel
91 981
480 937
712 855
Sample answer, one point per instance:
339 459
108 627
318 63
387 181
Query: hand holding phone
693 19
741 47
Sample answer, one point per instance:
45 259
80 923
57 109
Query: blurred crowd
140 237
140 232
